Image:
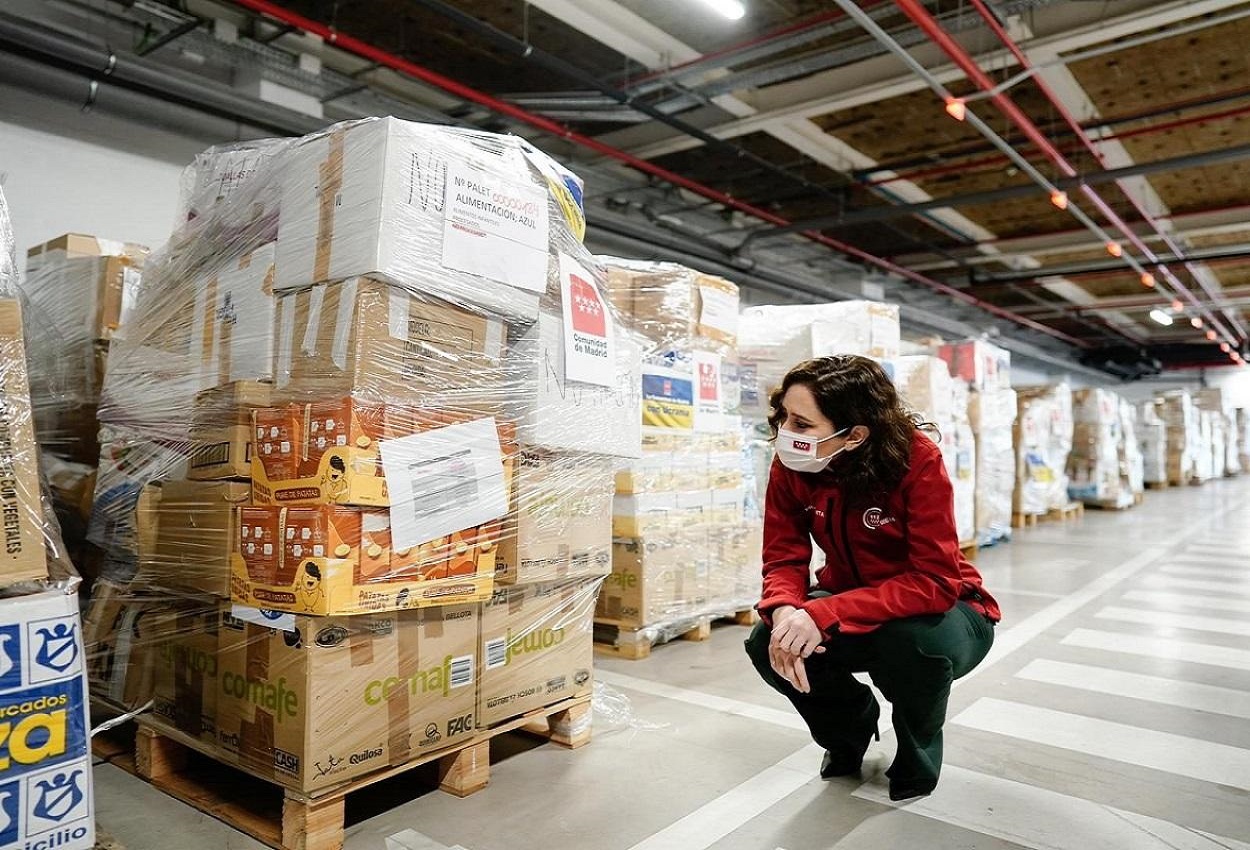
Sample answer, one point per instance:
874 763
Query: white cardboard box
369 199
46 795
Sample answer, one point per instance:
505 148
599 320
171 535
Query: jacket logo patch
874 518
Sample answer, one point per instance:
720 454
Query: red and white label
589 355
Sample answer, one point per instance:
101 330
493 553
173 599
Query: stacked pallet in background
46 795
1243 438
1043 441
986 370
1152 437
1225 454
80 287
1103 451
364 428
684 550
1177 410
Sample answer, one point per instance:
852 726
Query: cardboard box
644 514
369 339
981 364
332 560
537 647
20 505
560 525
46 794
221 430
196 536
673 306
331 452
122 633
557 414
321 700
186 674
369 199
655 580
74 245
233 324
924 383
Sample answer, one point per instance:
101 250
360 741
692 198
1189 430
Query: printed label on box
709 409
444 480
667 401
588 346
495 227
720 310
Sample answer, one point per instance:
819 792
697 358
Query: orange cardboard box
260 544
279 442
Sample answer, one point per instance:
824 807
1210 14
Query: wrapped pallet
362 413
1152 437
1130 450
1043 441
961 465
1243 438
992 414
1184 433
1097 468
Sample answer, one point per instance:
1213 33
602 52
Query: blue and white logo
53 649
57 799
9 802
10 658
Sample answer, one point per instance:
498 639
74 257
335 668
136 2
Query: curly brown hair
850 391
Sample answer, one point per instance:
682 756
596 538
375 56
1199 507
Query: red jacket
884 561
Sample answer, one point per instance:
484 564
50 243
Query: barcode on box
496 653
462 671
443 485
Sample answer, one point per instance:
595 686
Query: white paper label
343 322
286 341
589 355
264 617
720 310
708 407
495 228
131 281
316 298
398 313
444 480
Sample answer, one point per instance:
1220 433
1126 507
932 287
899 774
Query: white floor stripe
1163 597
713 821
1172 620
1221 587
1175 692
1176 754
787 718
1233 575
1209 548
999 591
1040 818
1161 648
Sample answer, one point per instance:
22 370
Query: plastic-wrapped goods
1130 450
350 395
1184 428
1043 439
925 385
959 451
673 307
773 339
218 172
1232 445
983 365
992 413
1152 437
1096 466
1204 467
1219 440
1243 438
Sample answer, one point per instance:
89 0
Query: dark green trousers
911 660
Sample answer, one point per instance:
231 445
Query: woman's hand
795 632
789 667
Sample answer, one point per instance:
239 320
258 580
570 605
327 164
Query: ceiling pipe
364 50
1026 66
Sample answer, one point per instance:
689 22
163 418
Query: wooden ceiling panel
1216 240
1205 188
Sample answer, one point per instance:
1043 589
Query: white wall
64 170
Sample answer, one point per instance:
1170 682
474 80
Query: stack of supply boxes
385 514
1130 450
1184 428
1243 438
1224 455
78 290
986 370
1043 438
683 545
926 386
1152 437
46 794
1097 468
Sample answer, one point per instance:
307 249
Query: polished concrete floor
1114 712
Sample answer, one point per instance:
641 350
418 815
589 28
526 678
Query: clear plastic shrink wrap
1043 438
1130 450
360 439
1184 428
1152 436
46 776
1242 417
687 534
1098 468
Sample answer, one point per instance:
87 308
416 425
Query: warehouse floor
1112 713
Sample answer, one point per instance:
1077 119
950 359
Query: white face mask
798 451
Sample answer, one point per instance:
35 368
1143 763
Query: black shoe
900 791
849 761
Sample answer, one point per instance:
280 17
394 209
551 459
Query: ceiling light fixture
1059 199
731 9
1115 249
1225 347
1147 280
1177 306
1196 321
1211 335
955 108
1161 317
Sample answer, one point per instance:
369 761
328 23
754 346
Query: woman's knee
757 643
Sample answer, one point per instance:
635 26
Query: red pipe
398 63
914 10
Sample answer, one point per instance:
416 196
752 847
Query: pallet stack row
1044 432
1106 466
360 437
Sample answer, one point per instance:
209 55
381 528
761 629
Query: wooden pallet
1138 498
1024 520
970 550
1158 485
1109 506
184 768
635 644
1068 513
